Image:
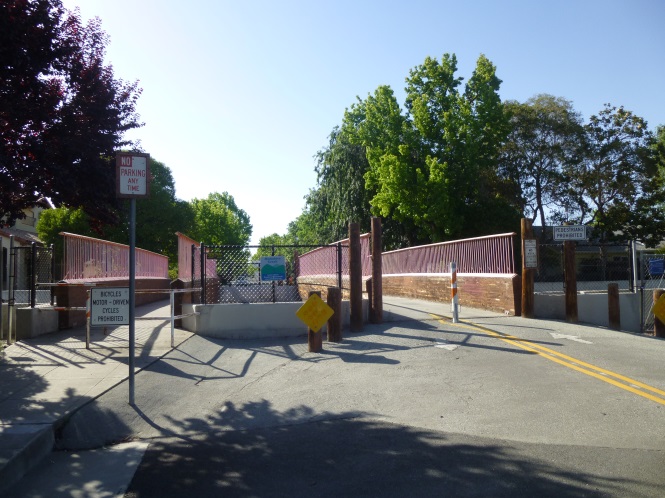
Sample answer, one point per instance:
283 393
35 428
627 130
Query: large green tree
219 221
618 188
546 139
63 112
434 166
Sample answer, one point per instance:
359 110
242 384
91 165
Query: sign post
132 182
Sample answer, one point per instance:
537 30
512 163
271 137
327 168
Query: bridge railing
492 254
90 259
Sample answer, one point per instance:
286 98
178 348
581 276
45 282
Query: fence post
203 273
33 275
335 323
658 326
527 273
2 287
314 339
570 280
377 272
614 310
339 266
53 277
356 278
10 290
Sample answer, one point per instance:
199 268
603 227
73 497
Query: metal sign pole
132 294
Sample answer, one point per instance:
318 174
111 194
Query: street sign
315 312
132 172
109 306
273 268
570 232
530 253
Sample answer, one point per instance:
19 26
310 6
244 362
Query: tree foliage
546 140
62 111
617 188
219 221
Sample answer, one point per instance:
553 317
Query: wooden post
335 323
377 272
614 310
355 278
527 273
570 277
658 326
314 339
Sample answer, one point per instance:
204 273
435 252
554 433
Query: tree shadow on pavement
298 453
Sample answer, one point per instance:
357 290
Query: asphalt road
495 406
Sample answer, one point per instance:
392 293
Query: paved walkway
44 380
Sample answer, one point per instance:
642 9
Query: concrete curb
27 449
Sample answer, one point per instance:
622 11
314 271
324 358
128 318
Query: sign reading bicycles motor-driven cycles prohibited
109 306
132 173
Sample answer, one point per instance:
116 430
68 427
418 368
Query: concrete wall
591 308
251 321
494 292
29 322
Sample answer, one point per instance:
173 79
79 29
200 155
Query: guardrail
91 259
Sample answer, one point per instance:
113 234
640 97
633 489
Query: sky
238 96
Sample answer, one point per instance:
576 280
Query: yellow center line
568 361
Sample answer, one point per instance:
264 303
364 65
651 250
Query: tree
62 111
545 140
219 221
434 166
617 187
158 218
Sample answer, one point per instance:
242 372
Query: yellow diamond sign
314 313
659 308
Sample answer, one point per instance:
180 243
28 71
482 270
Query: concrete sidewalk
46 379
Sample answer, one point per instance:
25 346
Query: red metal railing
91 259
323 260
491 254
185 257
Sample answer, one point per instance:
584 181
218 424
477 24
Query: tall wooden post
355 279
570 280
527 273
314 339
377 272
614 310
335 323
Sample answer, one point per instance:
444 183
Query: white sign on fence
530 253
109 306
570 232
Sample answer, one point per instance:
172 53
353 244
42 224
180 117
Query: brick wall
492 292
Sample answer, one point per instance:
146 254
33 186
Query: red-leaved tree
63 113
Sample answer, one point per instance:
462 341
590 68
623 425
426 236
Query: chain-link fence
595 267
32 276
234 274
651 275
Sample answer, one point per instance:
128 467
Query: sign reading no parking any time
109 306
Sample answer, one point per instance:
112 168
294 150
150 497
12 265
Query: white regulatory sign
570 232
109 306
530 253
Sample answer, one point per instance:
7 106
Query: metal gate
232 273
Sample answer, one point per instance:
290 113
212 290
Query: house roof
21 236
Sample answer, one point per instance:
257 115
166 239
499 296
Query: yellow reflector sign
659 308
314 312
